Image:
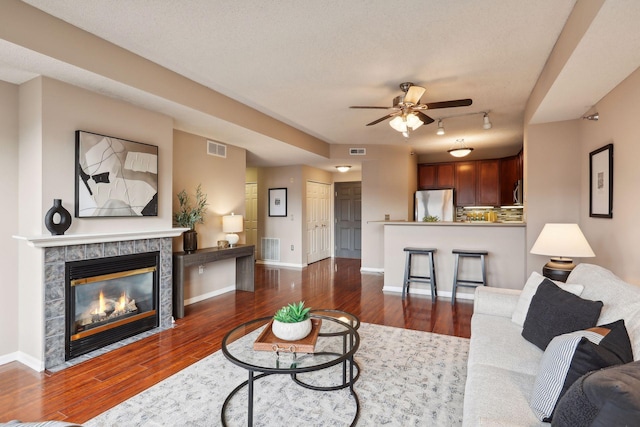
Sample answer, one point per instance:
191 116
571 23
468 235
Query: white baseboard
209 295
367 270
446 294
25 359
281 264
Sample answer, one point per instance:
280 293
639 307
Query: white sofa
502 365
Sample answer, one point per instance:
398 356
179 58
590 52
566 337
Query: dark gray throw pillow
608 397
568 357
554 312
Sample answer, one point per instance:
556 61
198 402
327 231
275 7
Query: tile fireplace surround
71 248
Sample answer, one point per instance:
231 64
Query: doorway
251 214
348 206
318 221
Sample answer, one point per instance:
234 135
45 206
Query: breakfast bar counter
505 262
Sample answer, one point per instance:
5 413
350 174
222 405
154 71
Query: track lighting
486 124
440 130
594 117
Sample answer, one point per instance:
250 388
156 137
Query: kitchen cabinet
436 176
488 183
476 182
465 179
510 173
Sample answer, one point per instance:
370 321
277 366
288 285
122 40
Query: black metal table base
252 378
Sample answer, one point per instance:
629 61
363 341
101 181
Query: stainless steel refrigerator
434 203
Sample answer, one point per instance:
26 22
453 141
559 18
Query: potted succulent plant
189 215
292 322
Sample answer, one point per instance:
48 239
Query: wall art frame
601 182
277 202
115 177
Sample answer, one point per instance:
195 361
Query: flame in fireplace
122 302
101 305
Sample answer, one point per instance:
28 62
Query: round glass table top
337 340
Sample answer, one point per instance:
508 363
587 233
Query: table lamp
232 224
561 242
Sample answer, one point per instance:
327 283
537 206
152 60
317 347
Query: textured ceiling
305 63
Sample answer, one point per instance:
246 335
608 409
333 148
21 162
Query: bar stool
408 277
464 282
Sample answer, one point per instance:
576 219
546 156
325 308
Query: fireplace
109 299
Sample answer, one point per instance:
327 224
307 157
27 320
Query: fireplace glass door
110 299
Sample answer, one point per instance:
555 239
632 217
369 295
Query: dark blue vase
57 228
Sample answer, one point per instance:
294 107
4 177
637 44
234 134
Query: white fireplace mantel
45 241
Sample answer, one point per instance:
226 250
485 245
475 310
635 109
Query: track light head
595 117
486 124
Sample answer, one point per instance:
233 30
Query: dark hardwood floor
81 392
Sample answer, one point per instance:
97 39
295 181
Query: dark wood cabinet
465 180
488 183
427 176
510 173
476 182
446 175
436 176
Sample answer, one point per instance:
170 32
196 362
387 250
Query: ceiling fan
408 111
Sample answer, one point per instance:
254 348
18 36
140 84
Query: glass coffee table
337 342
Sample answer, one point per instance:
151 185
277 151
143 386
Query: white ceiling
305 62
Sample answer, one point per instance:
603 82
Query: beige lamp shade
232 224
561 242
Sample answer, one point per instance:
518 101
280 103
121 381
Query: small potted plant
188 216
292 322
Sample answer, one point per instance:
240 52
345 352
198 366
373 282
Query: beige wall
50 113
552 180
222 180
615 240
9 217
557 180
389 179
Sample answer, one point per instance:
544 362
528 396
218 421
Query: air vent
270 249
358 151
215 148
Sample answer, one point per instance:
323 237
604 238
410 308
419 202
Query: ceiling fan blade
425 119
414 94
370 107
381 119
449 104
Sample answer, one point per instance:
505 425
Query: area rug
408 378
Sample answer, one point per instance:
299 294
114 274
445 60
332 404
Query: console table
245 264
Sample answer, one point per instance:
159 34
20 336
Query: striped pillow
572 355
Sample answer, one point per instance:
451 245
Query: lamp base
558 269
233 239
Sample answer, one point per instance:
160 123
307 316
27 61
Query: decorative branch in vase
189 215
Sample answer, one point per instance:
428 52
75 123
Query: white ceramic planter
291 331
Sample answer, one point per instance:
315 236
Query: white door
251 214
318 221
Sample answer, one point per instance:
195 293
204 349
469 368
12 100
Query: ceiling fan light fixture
440 130
460 149
413 121
398 123
343 168
486 124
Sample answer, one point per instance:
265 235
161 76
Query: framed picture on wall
601 182
277 202
115 177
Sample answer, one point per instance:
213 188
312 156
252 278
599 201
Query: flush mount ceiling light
440 130
343 168
460 149
486 124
